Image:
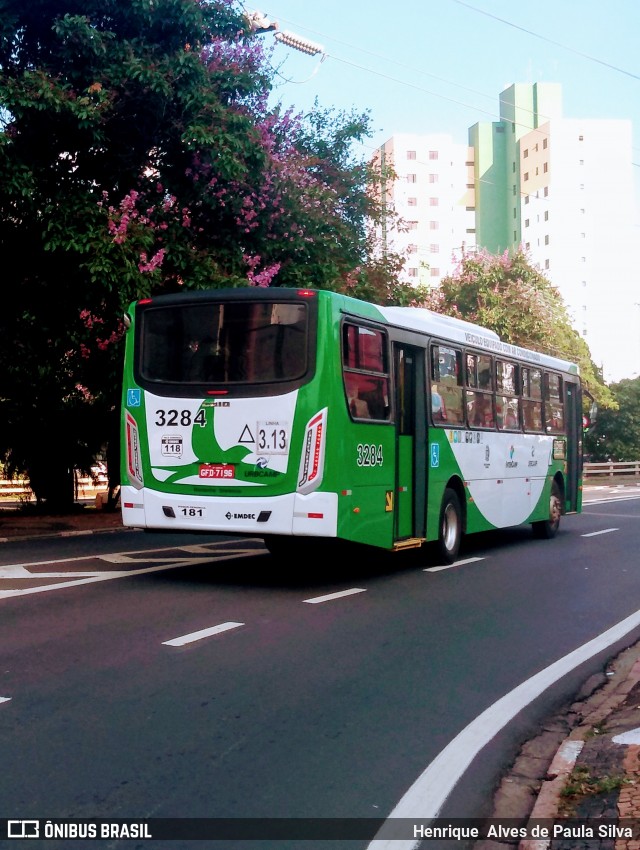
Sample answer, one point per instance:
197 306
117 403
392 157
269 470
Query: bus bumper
313 515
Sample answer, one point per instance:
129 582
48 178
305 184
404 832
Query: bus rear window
241 342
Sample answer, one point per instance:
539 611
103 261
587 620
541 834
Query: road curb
69 533
548 800
604 702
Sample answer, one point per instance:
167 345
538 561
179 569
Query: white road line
23 572
167 564
203 633
5 699
425 798
329 596
127 559
449 566
26 591
218 543
233 546
596 533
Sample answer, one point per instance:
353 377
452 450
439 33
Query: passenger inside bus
438 409
507 416
451 393
357 405
481 414
532 415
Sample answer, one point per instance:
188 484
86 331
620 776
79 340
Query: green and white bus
304 415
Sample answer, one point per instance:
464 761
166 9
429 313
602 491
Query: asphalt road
120 700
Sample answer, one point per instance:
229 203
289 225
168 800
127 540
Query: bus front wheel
548 528
450 535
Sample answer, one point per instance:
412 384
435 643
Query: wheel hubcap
554 509
450 528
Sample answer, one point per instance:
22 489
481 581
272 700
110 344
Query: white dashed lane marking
449 566
203 633
317 599
596 533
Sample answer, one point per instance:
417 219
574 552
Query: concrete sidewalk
15 525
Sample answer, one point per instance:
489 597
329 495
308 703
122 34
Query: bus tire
450 528
547 528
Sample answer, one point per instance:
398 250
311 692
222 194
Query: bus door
573 415
410 480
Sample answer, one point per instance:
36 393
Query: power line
548 40
491 114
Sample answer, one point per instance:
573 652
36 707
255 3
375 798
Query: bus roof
420 319
451 329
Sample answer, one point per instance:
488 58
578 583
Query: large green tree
138 154
510 296
616 432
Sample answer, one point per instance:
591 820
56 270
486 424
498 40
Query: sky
438 66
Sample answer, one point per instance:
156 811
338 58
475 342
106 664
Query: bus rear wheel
548 528
450 536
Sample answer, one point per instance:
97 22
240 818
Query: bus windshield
215 342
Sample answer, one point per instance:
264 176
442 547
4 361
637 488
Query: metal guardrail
611 469
88 487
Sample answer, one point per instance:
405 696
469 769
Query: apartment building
562 189
432 193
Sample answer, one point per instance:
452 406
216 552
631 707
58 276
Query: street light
260 23
299 43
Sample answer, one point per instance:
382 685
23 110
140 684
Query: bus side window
485 372
471 370
508 413
480 409
366 374
532 411
446 389
553 403
531 382
479 398
358 406
507 405
438 410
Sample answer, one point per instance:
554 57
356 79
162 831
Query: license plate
217 471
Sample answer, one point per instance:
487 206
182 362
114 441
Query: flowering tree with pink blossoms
138 155
513 298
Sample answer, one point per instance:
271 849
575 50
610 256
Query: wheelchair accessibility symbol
435 455
134 398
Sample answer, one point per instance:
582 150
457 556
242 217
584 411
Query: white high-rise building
433 195
578 223
562 189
